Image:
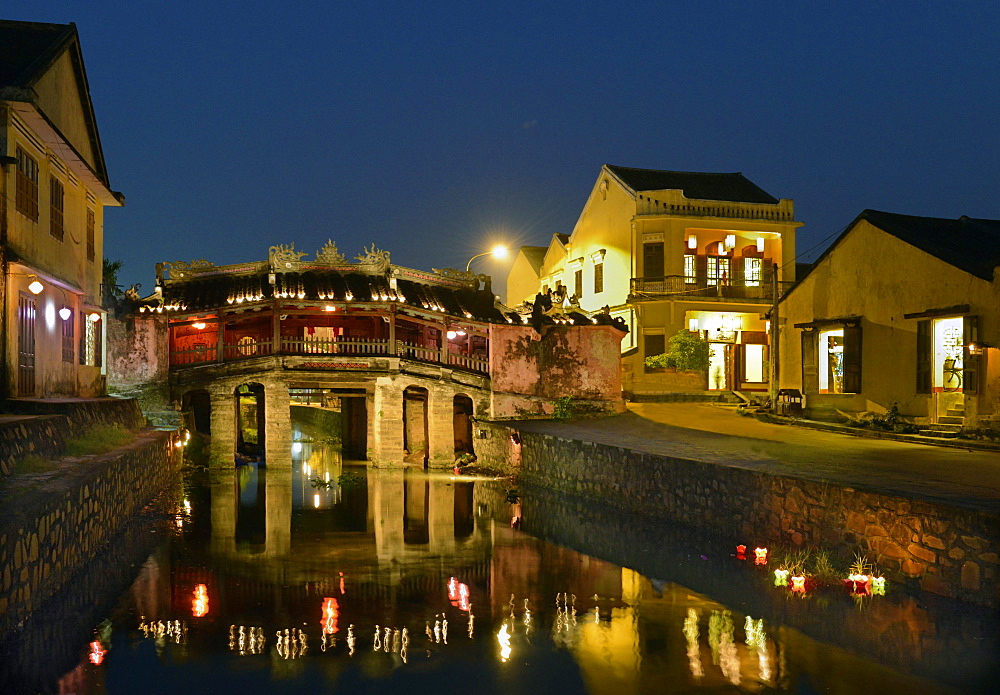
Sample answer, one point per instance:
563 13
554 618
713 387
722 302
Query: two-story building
669 251
54 188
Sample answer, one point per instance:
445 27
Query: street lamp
498 251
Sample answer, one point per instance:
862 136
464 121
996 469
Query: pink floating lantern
760 556
799 585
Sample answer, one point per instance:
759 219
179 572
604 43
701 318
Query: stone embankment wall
83 414
31 436
54 523
944 550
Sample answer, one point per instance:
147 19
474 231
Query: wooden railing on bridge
249 348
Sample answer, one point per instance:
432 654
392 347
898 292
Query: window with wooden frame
831 357
690 269
26 196
598 277
57 199
578 283
91 241
69 338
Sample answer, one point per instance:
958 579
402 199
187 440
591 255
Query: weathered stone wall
85 413
31 436
944 550
138 352
54 523
528 370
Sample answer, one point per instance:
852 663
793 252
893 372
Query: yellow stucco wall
60 98
522 281
875 275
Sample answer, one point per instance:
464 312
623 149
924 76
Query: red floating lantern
799 585
741 552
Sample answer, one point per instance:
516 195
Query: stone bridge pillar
277 426
223 424
387 426
441 427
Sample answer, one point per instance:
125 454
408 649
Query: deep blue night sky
432 129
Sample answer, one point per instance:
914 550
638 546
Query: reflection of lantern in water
858 584
799 584
741 552
760 556
97 653
781 577
342 592
878 586
331 615
458 594
199 604
503 637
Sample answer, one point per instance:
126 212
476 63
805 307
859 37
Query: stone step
951 420
943 434
686 397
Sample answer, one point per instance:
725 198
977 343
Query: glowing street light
499 251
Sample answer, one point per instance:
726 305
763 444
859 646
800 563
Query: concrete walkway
706 432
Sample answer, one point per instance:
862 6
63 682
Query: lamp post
498 251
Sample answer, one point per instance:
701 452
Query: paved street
711 433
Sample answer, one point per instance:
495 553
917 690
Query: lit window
27 185
90 342
718 270
690 274
751 271
831 361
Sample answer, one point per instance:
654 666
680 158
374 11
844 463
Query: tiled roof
735 188
973 245
28 48
209 292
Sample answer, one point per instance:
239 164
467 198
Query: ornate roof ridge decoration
282 257
179 269
330 254
376 258
466 276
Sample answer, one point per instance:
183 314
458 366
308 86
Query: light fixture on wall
93 317
760 244
36 286
65 313
722 249
692 241
730 241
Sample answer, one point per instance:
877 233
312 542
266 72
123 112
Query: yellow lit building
670 251
54 187
899 310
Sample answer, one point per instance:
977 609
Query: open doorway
415 424
463 425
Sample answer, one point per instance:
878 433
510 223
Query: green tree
110 277
686 351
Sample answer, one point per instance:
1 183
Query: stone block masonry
31 436
942 549
53 524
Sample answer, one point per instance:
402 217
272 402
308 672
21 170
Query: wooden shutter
925 357
652 260
970 362
852 359
810 367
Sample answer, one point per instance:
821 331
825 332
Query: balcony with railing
247 348
680 286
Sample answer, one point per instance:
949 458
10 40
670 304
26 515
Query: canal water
337 577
